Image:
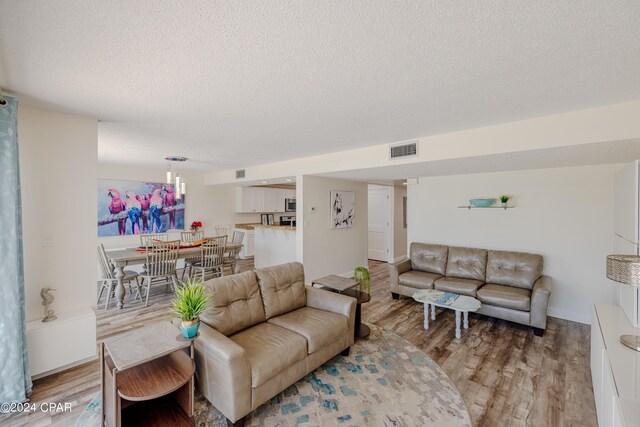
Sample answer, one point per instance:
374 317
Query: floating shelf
486 207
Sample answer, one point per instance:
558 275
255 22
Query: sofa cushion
505 296
467 263
518 269
270 350
418 279
282 288
429 258
458 286
234 303
319 327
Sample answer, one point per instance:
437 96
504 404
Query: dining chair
190 237
109 280
161 262
145 239
230 256
211 258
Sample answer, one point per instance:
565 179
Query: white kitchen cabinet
262 199
248 243
250 199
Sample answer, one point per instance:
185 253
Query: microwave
289 205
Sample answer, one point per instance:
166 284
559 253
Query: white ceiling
231 84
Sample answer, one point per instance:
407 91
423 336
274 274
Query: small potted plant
504 200
361 275
190 301
196 225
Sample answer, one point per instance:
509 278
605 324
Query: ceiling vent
406 149
239 173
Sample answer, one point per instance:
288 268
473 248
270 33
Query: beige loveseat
263 331
509 285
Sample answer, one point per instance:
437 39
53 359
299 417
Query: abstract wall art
343 208
133 207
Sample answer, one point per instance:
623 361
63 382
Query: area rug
385 381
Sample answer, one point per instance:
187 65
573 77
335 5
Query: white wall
213 205
565 214
58 159
325 250
399 230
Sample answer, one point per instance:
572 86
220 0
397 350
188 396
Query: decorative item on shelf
196 225
504 200
361 275
188 305
625 269
482 203
47 300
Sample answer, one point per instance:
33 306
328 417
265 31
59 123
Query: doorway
379 222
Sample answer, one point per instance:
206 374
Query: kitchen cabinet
262 199
248 243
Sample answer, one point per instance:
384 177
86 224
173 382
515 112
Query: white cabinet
250 199
614 368
262 199
248 244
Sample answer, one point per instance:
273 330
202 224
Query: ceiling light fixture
173 175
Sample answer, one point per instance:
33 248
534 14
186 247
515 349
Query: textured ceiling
232 84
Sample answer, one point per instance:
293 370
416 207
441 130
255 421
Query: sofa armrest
333 302
540 302
223 373
395 270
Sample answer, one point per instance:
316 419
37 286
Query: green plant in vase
361 275
189 303
504 200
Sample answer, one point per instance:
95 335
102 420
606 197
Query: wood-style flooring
506 375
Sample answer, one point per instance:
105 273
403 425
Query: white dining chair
190 237
146 239
231 255
108 280
211 258
161 261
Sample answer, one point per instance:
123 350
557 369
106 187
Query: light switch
47 240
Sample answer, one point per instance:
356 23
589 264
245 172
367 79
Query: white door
379 222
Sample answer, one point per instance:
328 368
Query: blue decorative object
482 203
189 331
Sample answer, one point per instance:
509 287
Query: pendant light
173 175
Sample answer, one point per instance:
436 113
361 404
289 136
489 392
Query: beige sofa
509 285
263 331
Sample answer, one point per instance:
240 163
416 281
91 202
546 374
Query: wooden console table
147 378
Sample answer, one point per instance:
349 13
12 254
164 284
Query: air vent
403 150
239 173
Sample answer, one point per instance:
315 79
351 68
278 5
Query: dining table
120 258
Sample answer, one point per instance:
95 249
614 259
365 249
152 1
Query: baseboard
569 315
65 367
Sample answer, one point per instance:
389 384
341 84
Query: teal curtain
15 380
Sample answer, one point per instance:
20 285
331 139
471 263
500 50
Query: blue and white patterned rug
385 381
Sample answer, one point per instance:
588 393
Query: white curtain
15 380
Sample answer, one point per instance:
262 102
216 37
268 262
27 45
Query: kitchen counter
274 244
276 227
246 226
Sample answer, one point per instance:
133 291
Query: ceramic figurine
47 299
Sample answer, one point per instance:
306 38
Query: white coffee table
459 303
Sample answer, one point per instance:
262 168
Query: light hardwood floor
506 375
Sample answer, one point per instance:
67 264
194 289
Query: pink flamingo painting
170 200
117 205
134 210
